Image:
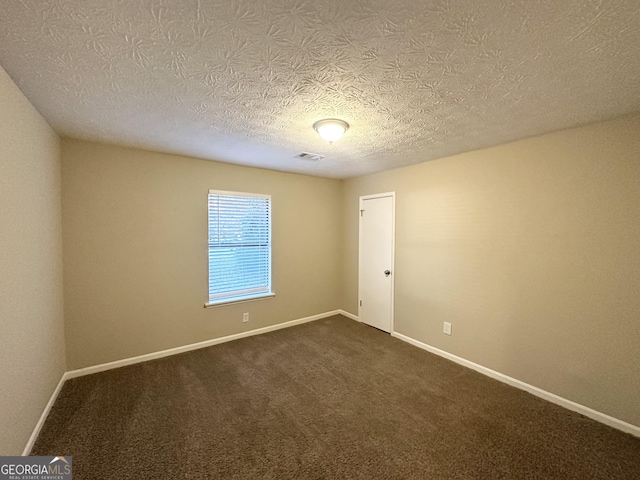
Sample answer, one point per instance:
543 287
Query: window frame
250 297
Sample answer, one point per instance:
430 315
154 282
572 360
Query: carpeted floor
328 399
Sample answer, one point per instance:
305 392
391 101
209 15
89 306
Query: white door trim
393 251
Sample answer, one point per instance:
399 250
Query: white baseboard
43 417
576 407
193 346
349 315
538 392
163 353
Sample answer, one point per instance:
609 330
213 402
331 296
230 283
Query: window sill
252 298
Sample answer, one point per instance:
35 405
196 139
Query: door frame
393 251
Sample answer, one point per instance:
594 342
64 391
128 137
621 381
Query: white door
375 281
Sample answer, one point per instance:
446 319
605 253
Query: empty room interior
295 239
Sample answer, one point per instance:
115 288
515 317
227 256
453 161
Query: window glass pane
239 245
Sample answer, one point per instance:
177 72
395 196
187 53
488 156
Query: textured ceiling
242 81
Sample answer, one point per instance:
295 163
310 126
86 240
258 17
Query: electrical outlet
446 328
245 317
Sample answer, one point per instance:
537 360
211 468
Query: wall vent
309 156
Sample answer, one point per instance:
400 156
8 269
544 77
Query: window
239 247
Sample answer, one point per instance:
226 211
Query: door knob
387 273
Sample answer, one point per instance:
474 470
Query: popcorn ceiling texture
242 81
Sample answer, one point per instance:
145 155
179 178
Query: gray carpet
327 399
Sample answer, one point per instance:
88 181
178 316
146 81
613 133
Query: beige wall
532 251
135 250
31 324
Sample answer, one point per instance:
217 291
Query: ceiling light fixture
331 129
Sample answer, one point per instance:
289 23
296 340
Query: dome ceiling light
331 129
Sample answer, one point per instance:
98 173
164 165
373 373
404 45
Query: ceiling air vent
309 156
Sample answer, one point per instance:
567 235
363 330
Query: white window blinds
239 246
